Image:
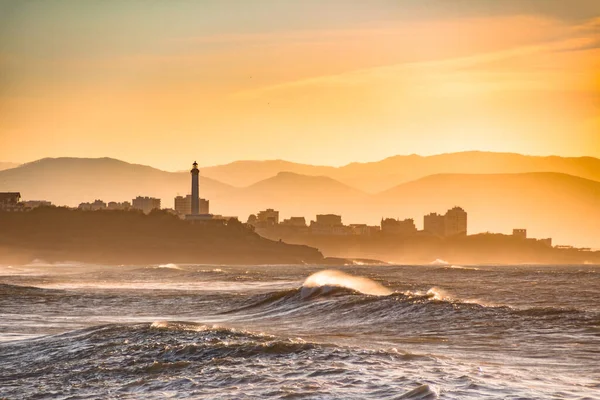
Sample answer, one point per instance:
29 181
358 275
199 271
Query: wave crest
422 392
324 282
169 266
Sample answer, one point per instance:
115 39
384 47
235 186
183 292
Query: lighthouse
195 190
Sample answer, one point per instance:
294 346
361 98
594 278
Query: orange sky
164 82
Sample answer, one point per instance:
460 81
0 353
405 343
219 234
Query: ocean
73 331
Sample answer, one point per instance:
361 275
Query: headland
132 237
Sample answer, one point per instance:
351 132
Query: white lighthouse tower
198 208
195 190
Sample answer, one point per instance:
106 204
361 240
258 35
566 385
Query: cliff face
128 237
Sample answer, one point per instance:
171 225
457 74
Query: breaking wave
438 261
329 299
364 301
463 267
328 280
438 294
294 335
169 266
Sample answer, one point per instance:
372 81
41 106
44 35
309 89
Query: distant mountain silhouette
381 175
295 194
70 181
7 165
246 173
392 171
561 206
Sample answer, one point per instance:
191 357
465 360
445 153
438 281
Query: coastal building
329 220
364 229
10 201
10 198
434 224
455 222
297 222
95 206
114 205
203 206
268 217
333 230
329 224
397 227
183 205
293 225
146 204
520 233
30 204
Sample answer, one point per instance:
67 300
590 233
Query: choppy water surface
367 332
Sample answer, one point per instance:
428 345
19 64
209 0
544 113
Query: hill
246 173
381 175
70 181
561 206
387 173
295 194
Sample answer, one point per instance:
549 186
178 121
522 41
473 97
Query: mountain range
70 181
550 196
373 177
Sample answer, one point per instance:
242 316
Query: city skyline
355 82
553 197
193 208
451 225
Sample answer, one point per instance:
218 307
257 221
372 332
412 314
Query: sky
322 82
